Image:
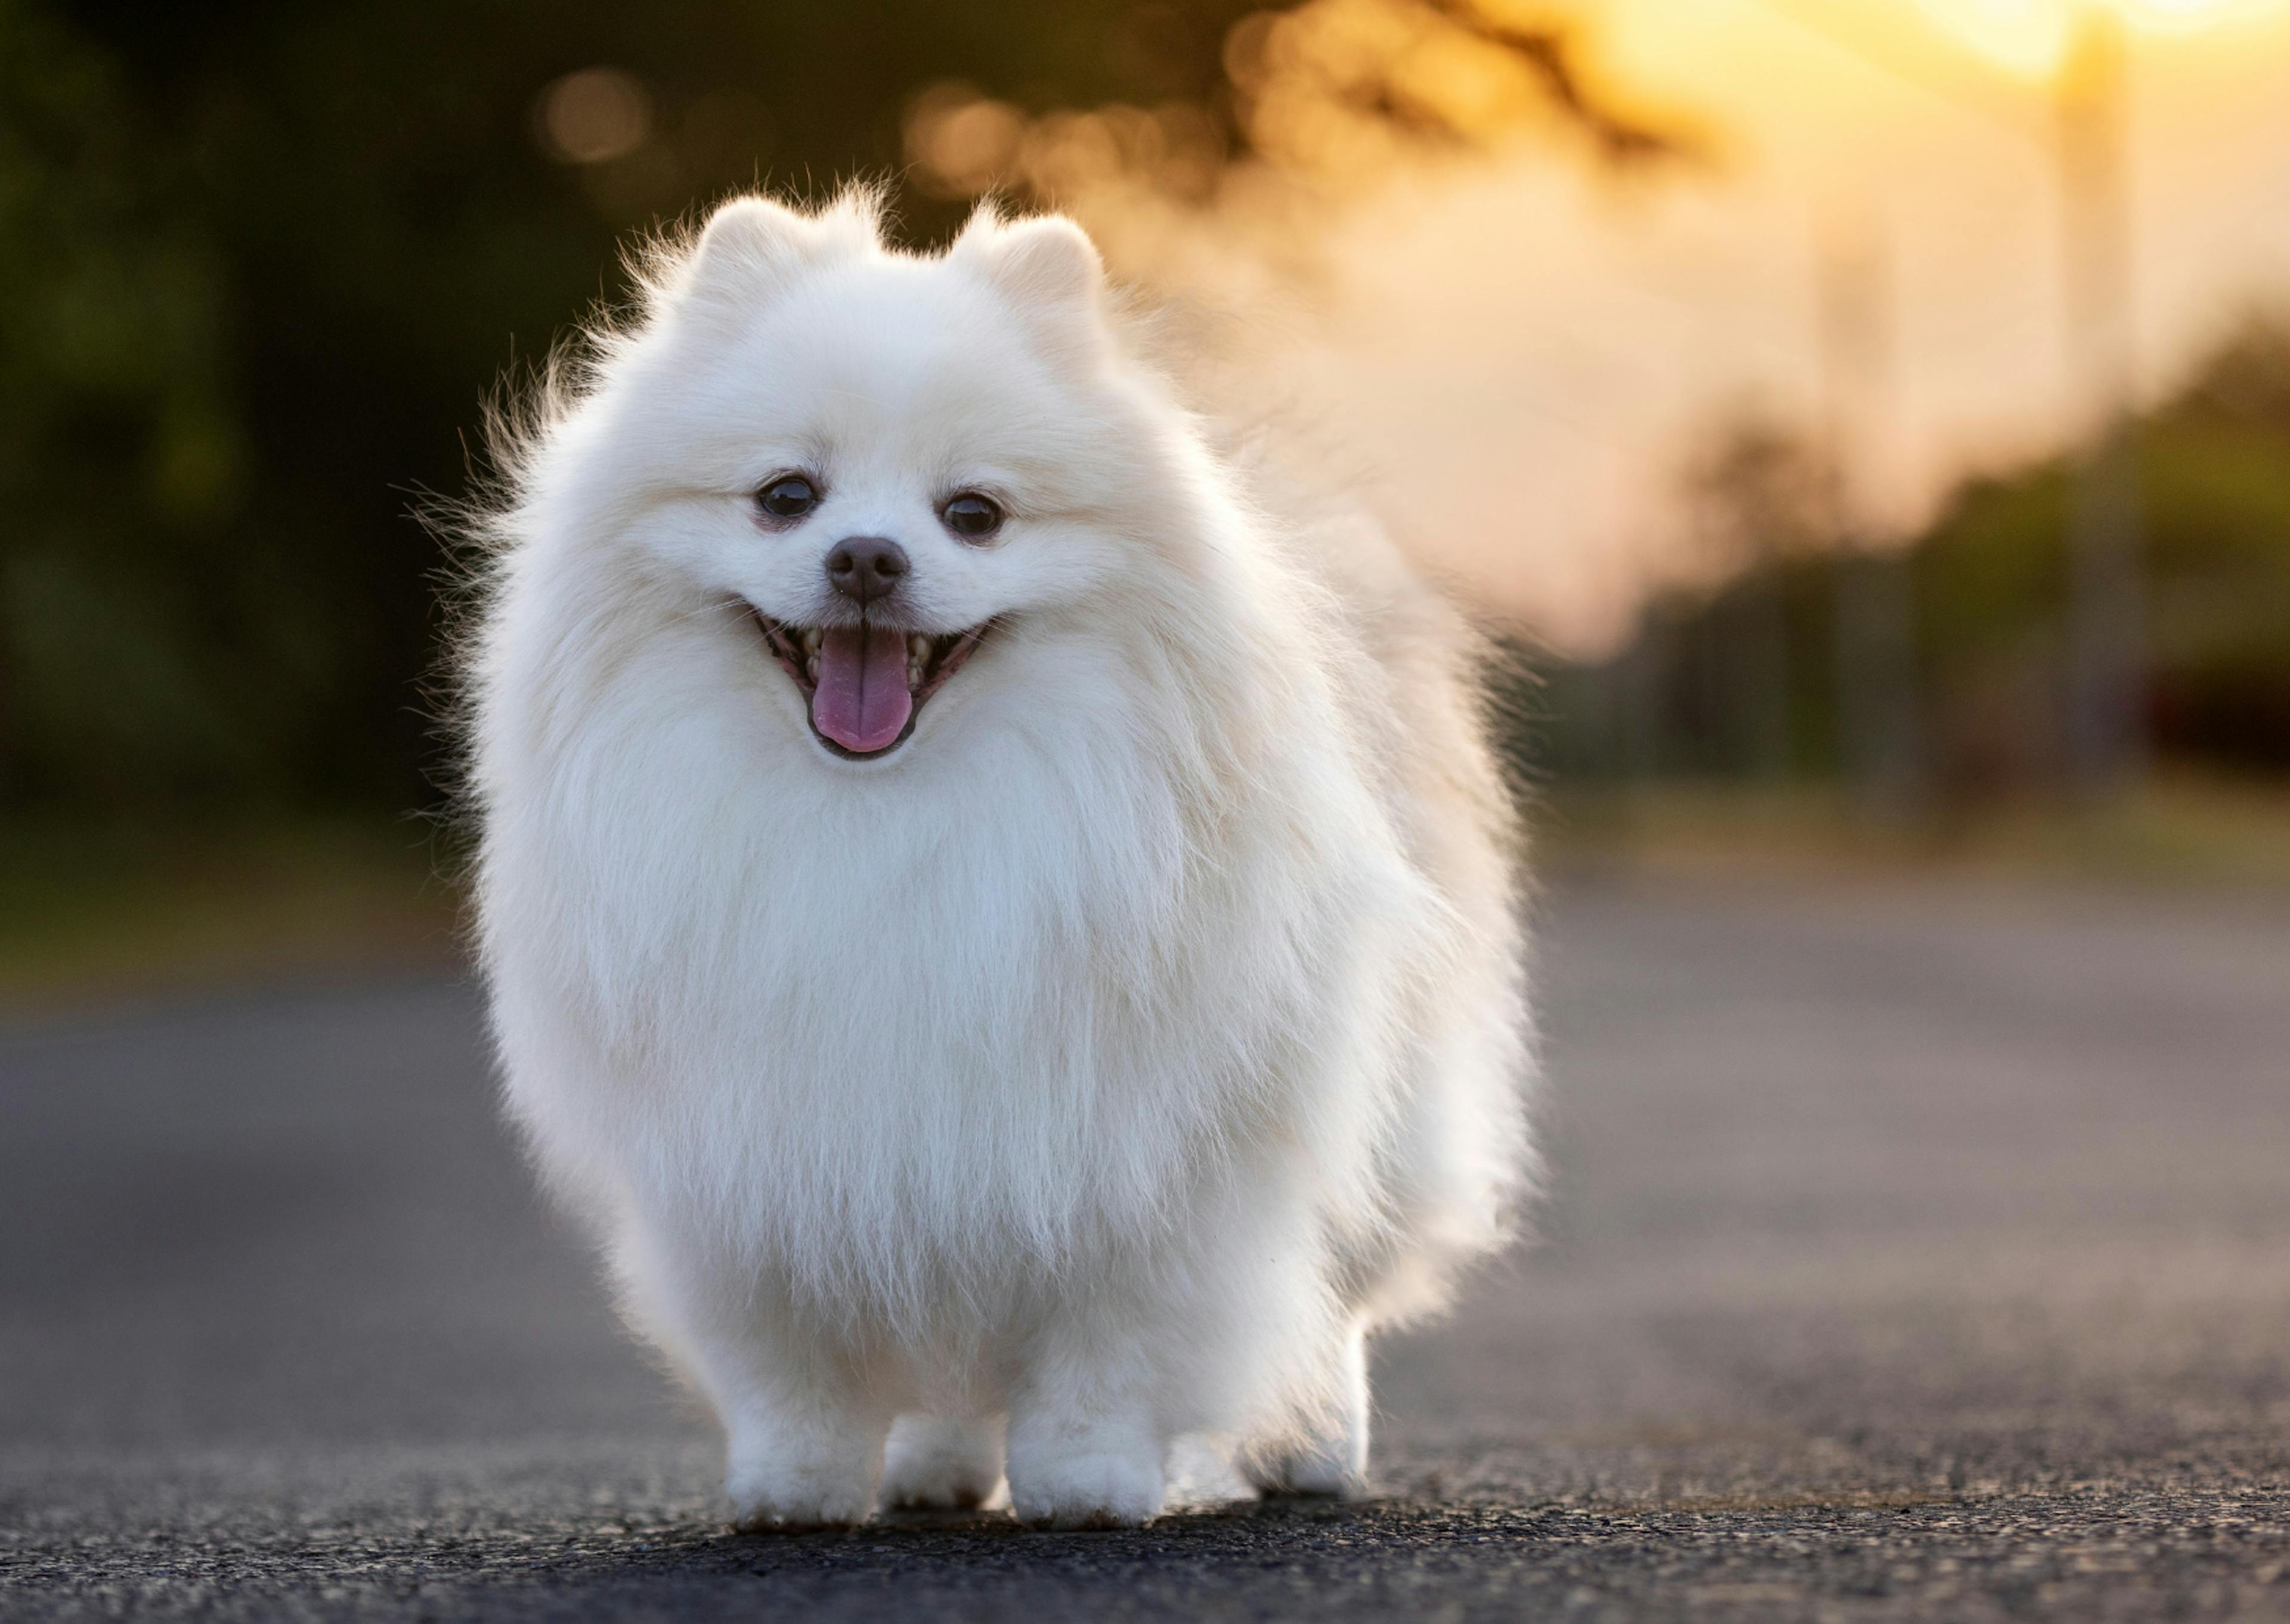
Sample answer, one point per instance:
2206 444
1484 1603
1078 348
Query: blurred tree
260 262
1991 582
122 467
1762 497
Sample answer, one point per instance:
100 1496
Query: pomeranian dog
1004 923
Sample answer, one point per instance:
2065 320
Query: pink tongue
861 702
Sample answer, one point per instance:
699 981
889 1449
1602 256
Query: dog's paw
769 1497
931 1464
1312 1475
1327 1461
1106 1489
940 1486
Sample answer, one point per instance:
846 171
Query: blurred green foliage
259 264
1744 681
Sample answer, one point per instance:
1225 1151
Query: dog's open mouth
865 684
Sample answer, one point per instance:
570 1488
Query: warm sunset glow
2198 13
1532 348
2030 37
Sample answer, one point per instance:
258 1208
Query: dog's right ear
749 250
1048 269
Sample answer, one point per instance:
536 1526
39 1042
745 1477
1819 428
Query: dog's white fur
1101 1065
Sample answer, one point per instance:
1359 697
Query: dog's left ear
1049 270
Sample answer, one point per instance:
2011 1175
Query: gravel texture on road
1914 1250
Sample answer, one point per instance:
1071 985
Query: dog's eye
788 498
972 517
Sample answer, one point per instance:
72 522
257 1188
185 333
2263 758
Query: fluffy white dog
1011 943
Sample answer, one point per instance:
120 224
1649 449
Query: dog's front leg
1331 1459
801 1449
1086 1444
802 1422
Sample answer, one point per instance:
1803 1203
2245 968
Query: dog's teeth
811 639
919 645
914 673
811 665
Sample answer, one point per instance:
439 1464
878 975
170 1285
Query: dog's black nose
866 567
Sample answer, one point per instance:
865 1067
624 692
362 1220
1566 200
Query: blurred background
1867 424
1868 421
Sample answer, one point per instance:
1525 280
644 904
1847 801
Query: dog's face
885 467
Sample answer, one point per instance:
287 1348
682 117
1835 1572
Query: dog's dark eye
971 516
788 498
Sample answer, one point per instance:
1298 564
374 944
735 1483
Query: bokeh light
595 115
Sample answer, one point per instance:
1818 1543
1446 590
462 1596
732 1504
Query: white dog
1011 943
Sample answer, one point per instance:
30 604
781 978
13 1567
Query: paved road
1916 1251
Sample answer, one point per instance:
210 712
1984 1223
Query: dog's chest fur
1004 1015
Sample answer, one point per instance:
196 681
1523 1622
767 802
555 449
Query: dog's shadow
999 1520
946 1556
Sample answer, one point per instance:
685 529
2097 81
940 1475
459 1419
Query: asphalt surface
1915 1251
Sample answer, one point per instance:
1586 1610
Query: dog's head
890 470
